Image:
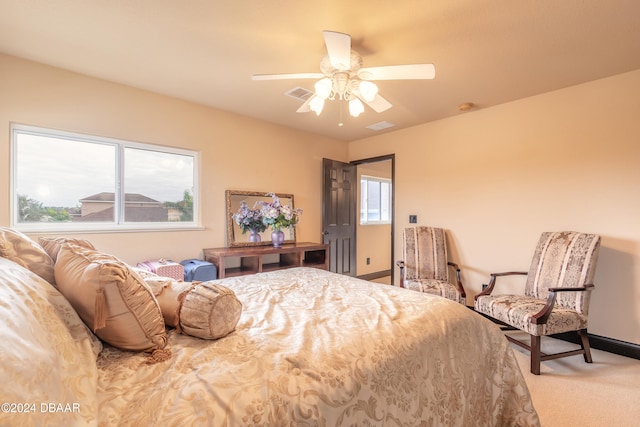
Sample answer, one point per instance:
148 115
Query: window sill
99 229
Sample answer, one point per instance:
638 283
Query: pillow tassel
159 355
99 319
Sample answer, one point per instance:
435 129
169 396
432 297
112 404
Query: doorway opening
375 219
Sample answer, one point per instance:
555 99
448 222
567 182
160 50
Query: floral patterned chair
556 296
425 267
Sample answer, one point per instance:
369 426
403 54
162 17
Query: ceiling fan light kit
344 79
368 90
316 104
355 107
341 86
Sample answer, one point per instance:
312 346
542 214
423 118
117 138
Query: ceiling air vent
380 125
299 93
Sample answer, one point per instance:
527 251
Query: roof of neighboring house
110 197
131 214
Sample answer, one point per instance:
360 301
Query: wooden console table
251 258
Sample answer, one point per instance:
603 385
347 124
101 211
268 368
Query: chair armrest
400 264
542 316
492 281
458 281
588 287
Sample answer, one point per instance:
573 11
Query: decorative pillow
111 299
48 355
144 273
20 249
201 309
209 311
167 292
52 244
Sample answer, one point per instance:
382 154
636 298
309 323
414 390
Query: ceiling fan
342 77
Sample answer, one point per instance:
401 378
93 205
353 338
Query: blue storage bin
196 270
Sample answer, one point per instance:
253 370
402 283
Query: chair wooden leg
584 342
535 355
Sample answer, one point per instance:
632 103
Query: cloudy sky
60 172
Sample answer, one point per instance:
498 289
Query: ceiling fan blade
379 104
287 76
398 72
338 49
304 108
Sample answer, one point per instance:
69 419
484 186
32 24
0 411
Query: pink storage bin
164 267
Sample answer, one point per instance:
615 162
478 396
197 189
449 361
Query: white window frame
118 224
363 200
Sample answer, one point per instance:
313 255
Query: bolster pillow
205 310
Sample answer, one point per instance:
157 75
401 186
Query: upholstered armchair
425 266
556 295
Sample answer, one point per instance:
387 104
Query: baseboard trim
607 344
375 275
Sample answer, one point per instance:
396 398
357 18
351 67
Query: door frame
376 159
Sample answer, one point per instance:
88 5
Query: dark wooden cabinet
238 261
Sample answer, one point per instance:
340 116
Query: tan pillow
201 309
47 353
167 292
52 244
20 249
110 298
209 311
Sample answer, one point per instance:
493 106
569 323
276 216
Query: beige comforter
313 348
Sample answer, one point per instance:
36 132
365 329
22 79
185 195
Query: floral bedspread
313 348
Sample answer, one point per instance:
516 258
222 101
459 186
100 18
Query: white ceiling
485 51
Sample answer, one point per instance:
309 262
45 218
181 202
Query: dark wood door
339 215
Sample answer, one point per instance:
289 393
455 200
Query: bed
311 348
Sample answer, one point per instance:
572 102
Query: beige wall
498 177
236 152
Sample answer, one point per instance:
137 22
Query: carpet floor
570 392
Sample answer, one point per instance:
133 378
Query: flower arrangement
276 215
249 219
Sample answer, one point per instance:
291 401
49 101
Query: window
375 200
68 181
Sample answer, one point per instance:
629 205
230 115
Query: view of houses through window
63 178
375 200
